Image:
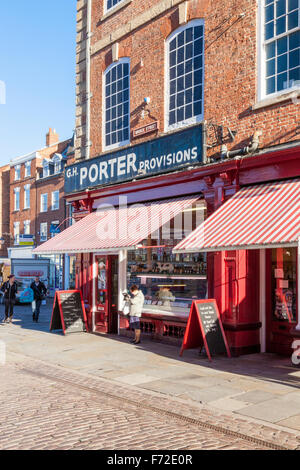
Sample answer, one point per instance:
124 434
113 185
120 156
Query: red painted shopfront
248 284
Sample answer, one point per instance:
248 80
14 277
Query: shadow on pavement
23 317
265 366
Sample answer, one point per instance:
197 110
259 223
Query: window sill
277 99
115 9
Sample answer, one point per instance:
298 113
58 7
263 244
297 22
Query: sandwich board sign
68 312
204 328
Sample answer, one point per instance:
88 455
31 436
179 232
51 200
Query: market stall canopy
113 229
259 216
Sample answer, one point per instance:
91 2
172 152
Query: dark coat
39 291
10 291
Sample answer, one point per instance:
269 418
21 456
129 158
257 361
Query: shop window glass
72 278
170 282
101 281
284 285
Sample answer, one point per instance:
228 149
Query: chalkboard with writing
204 328
68 312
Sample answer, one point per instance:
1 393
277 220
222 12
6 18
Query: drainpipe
88 77
242 151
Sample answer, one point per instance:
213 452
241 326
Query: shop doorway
281 299
106 294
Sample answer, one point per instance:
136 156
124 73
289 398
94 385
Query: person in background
10 289
136 308
39 293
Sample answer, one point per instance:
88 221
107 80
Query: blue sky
37 64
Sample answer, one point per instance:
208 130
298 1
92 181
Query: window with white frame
17 199
281 46
44 202
43 231
27 169
17 172
26 227
16 233
55 200
57 164
116 103
112 3
46 169
185 75
27 196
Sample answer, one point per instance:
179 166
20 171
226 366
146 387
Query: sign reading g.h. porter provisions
168 153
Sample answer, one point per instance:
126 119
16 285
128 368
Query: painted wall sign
168 153
154 126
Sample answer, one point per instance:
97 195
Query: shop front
140 215
263 219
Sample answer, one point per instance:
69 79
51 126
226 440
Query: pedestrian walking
39 294
10 289
136 301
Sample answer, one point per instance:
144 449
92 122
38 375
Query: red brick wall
230 71
5 209
37 187
48 185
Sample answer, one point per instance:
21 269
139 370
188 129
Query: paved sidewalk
262 388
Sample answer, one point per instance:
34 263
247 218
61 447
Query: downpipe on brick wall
242 151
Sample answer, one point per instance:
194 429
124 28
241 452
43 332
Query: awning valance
113 229
259 216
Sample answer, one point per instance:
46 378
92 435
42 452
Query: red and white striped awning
259 216
113 229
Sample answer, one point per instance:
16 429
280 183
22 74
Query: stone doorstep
255 428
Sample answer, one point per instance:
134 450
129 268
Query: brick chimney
52 137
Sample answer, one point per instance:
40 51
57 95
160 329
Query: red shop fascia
245 292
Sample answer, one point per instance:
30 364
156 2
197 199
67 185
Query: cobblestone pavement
40 412
91 392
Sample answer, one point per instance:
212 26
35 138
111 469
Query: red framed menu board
204 328
68 312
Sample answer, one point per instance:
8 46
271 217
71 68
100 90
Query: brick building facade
37 204
5 233
161 76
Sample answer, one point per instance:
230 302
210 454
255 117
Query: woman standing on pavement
136 308
10 290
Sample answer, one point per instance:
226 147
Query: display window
170 282
284 284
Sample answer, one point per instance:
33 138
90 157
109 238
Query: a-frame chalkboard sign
204 328
68 312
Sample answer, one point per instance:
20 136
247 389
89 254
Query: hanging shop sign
68 312
171 152
204 328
